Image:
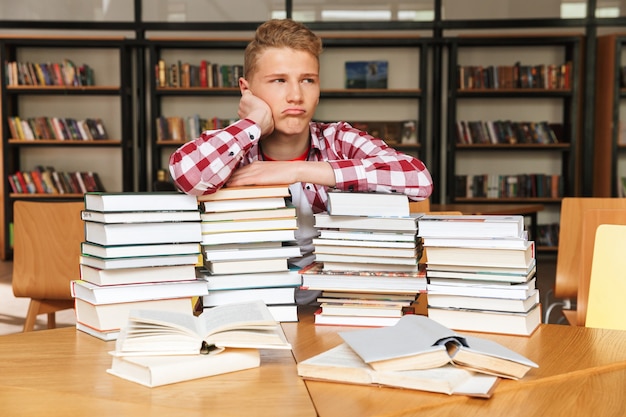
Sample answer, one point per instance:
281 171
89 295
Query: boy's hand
253 108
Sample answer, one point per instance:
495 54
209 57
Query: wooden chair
592 219
569 260
605 307
46 250
422 206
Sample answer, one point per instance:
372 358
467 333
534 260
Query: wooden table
577 366
527 210
62 373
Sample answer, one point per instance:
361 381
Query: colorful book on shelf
419 342
341 364
235 325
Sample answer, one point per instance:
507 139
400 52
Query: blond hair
280 33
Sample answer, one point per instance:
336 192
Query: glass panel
211 11
74 10
363 10
513 9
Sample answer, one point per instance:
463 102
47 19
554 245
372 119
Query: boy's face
288 81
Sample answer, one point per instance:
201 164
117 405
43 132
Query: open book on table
418 342
236 325
341 364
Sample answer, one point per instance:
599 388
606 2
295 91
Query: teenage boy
276 142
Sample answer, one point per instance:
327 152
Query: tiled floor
13 310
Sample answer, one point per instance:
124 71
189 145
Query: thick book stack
140 252
481 273
367 251
248 236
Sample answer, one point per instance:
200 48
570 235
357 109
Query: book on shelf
271 213
482 274
247 192
139 261
262 250
341 364
156 371
371 223
96 294
122 251
112 317
243 266
419 342
366 74
289 278
142 233
484 303
141 216
488 321
148 274
471 226
316 277
320 318
496 257
348 203
140 201
278 235
393 132
368 235
236 325
268 295
488 289
248 225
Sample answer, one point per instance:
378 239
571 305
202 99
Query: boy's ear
243 84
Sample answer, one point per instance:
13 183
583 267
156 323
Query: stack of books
367 259
481 273
140 252
248 236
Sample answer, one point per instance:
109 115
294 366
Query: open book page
243 325
342 364
413 343
487 356
410 344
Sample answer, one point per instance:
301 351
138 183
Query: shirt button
251 137
231 153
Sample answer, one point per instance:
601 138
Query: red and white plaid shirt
361 162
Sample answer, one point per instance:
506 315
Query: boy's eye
309 80
278 80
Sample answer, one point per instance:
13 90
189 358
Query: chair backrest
592 219
46 248
419 206
568 264
606 307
